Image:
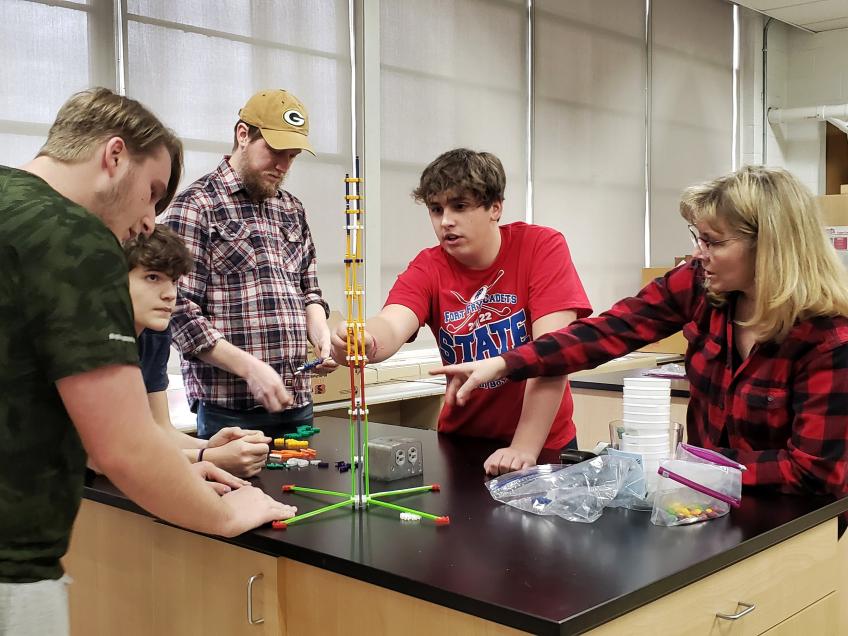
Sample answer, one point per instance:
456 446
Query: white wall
452 74
777 143
804 70
590 128
589 144
691 114
750 84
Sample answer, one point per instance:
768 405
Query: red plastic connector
442 521
288 487
435 487
279 525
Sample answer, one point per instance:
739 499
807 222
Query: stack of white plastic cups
647 422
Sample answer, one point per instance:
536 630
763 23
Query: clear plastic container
643 382
646 393
649 409
647 402
655 428
639 424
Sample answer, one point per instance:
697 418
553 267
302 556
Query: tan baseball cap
281 118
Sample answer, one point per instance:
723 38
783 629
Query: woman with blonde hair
763 304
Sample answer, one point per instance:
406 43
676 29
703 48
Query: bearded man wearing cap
246 314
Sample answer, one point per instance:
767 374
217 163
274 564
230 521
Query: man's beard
257 187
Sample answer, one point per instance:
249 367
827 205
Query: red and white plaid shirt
783 411
254 274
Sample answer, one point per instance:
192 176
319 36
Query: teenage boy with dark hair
156 263
484 290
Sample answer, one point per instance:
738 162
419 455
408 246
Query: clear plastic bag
578 492
633 493
672 371
690 453
696 486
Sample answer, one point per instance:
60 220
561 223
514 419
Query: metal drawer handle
749 607
250 618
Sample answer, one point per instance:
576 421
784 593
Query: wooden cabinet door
818 618
201 587
110 560
318 601
779 582
135 576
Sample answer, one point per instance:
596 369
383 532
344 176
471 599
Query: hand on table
218 479
507 460
244 455
251 508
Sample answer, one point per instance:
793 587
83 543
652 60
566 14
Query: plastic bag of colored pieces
576 492
696 486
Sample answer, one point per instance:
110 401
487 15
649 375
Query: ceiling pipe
764 112
816 113
835 114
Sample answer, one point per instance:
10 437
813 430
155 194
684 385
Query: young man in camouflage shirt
69 377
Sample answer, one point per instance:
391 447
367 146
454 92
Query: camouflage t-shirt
64 309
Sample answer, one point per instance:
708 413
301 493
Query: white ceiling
815 15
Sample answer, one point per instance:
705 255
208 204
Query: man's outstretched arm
109 408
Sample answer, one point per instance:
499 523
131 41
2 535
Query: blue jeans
211 419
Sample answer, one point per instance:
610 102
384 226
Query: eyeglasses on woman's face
706 245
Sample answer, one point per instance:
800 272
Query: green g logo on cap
281 118
294 118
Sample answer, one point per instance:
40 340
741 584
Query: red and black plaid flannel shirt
254 274
783 412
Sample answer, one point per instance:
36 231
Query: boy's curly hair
162 251
480 174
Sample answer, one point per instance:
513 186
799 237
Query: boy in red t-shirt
484 290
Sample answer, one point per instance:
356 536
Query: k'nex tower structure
360 496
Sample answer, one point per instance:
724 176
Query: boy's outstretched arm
108 407
542 399
385 333
466 377
239 451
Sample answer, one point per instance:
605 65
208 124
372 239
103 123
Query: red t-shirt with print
477 314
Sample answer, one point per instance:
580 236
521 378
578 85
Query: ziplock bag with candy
699 484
